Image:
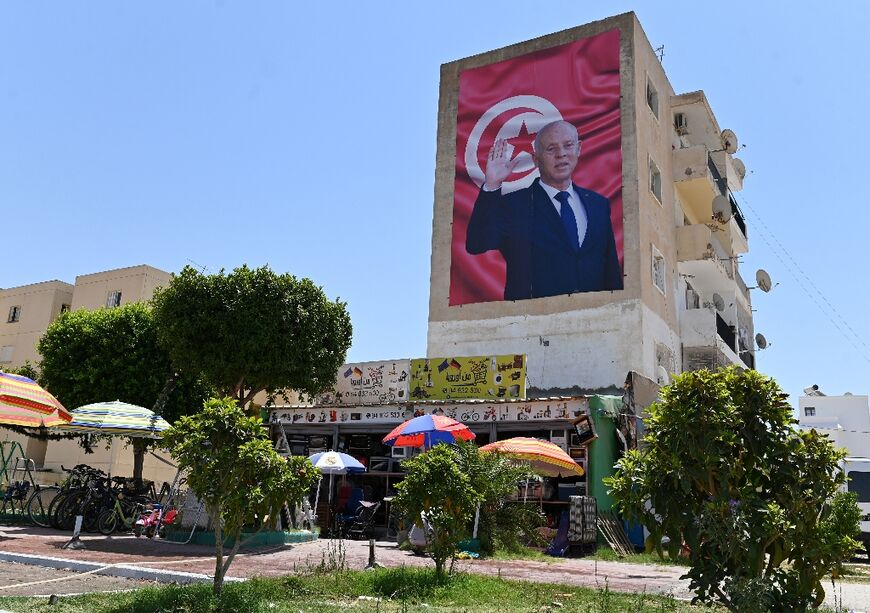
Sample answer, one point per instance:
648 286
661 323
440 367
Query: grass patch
523 553
602 554
856 573
387 590
606 554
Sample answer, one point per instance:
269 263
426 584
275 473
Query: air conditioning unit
401 453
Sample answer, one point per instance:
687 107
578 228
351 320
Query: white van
858 481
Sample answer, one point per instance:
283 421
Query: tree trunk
139 447
233 552
218 554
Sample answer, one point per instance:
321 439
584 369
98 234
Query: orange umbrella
546 458
24 403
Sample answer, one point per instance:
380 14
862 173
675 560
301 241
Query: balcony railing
725 332
718 179
737 214
746 355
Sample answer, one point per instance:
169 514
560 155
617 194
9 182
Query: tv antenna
660 52
202 269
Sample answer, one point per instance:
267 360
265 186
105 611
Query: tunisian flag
513 99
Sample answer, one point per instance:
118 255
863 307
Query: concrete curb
128 571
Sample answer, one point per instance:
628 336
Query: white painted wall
593 348
845 419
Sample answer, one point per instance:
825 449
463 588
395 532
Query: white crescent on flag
538 112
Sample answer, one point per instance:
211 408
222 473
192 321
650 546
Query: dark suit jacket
526 228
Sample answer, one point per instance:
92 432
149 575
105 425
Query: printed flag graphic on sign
511 100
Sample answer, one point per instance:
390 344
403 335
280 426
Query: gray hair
540 134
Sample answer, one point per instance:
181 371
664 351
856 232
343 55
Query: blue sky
222 133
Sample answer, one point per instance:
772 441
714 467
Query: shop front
359 430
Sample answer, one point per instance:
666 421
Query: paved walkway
287 559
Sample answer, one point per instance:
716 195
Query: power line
797 272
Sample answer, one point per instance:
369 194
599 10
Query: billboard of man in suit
555 236
532 216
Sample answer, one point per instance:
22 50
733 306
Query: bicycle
124 513
31 499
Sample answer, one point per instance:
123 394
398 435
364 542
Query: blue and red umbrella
427 431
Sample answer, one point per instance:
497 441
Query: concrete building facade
844 419
33 308
25 314
684 304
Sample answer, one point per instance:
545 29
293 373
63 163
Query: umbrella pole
317 496
476 522
331 518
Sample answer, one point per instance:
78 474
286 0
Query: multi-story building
27 312
669 172
844 419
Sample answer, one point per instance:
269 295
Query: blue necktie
568 220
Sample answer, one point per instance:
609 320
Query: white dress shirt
576 207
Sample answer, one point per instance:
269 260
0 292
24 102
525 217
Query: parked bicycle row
106 504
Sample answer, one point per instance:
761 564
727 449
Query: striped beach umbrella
119 418
427 431
545 457
24 403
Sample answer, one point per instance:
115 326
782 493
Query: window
652 98
64 308
113 299
809 411
680 123
6 353
655 180
14 314
658 269
859 482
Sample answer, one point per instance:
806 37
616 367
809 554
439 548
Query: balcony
708 340
701 255
695 182
698 179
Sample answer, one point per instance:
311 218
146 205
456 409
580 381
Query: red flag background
513 99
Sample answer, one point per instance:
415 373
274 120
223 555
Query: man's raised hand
499 166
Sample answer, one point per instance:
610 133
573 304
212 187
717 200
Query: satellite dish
760 341
721 209
718 302
662 376
762 279
739 167
729 141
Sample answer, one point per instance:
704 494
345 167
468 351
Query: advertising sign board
537 206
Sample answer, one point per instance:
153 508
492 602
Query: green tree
253 330
233 468
437 488
113 354
723 469
494 476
